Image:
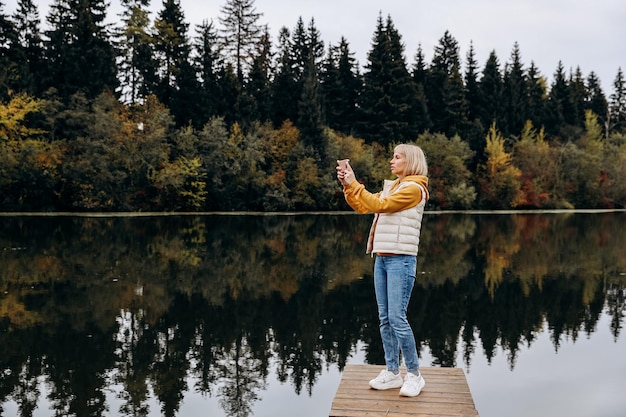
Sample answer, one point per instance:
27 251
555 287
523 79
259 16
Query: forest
150 114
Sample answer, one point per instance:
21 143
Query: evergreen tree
258 84
136 64
230 90
80 55
9 67
420 103
537 95
207 63
515 97
388 90
284 88
329 85
491 92
578 93
310 113
617 104
340 86
29 47
241 34
299 50
559 103
445 89
596 100
474 134
472 87
171 48
185 103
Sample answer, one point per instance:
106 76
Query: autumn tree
499 179
538 166
450 179
30 167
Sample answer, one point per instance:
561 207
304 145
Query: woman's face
398 164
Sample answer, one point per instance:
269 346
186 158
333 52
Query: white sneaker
412 385
386 380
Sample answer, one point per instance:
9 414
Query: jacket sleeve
362 201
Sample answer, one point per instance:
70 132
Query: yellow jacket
399 208
362 201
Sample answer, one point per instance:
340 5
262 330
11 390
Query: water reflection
163 306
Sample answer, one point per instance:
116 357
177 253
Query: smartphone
343 163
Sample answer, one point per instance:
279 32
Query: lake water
256 315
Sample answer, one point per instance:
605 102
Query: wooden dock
446 394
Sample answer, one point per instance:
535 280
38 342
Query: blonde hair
415 159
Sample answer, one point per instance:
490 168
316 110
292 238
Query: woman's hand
345 176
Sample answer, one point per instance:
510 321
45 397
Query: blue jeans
394 277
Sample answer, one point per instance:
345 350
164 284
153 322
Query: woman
394 238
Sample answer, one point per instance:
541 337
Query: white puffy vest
397 233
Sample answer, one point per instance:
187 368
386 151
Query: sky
578 33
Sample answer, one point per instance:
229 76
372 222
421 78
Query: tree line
146 114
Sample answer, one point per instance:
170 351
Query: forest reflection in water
162 308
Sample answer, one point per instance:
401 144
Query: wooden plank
446 394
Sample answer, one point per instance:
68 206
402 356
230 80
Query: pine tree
284 88
258 85
9 65
596 100
617 104
559 106
241 34
171 48
515 97
491 92
474 134
136 64
185 103
388 90
80 55
537 95
310 113
445 89
578 93
207 62
472 89
420 103
29 47
339 86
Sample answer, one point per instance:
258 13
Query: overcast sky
589 35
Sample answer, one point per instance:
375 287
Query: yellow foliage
498 159
279 143
13 116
